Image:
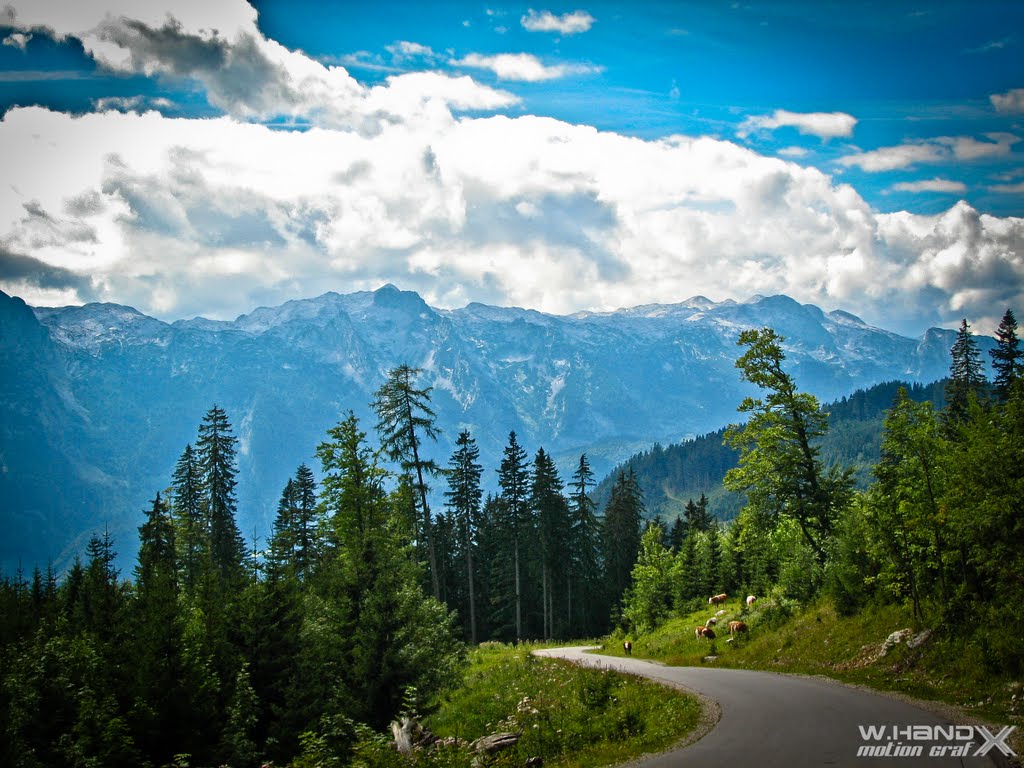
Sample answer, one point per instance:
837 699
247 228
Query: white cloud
181 217
17 40
891 158
931 185
1011 102
404 50
793 152
566 24
522 66
242 72
937 150
824 125
1008 189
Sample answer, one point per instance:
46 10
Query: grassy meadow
570 716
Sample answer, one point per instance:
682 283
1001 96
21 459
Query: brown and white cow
717 599
706 632
736 627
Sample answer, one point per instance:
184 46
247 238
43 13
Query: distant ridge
100 400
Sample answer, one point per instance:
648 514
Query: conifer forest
384 566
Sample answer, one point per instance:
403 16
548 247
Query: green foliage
568 715
405 419
1007 357
621 535
779 467
648 602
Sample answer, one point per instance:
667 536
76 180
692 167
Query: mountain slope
669 476
108 397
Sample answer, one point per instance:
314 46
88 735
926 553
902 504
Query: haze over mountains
100 400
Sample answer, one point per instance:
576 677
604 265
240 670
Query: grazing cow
706 632
628 647
721 612
735 627
711 621
717 599
750 600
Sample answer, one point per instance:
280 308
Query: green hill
669 476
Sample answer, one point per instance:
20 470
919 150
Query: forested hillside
218 650
670 476
938 529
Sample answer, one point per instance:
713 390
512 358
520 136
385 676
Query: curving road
789 721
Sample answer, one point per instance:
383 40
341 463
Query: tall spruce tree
305 522
584 550
405 419
463 502
380 634
966 376
621 534
215 458
193 533
513 479
551 512
162 713
779 466
1007 357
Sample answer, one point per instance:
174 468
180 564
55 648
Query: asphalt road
770 719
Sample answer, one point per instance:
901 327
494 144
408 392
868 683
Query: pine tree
281 554
966 376
379 633
160 679
677 535
464 495
551 511
193 534
584 549
1007 357
215 459
513 479
353 484
779 466
305 522
621 534
405 419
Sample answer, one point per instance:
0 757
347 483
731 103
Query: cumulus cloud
241 72
824 125
566 24
1011 102
937 150
521 66
931 185
181 217
17 40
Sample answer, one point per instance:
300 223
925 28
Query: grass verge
568 715
816 640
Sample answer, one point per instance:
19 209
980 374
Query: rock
895 639
919 639
710 658
495 742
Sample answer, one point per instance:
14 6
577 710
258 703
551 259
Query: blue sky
865 156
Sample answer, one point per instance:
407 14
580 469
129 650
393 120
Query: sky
206 157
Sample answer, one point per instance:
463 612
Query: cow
711 621
706 632
736 627
750 600
717 599
628 648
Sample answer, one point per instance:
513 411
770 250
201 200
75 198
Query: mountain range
99 400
